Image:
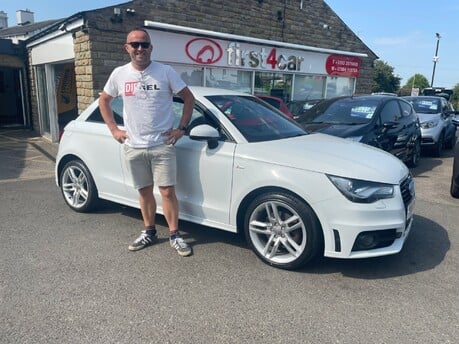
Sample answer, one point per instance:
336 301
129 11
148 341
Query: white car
244 167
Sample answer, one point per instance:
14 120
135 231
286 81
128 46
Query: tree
416 81
455 97
384 79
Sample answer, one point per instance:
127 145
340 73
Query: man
147 88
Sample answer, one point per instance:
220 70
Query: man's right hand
119 135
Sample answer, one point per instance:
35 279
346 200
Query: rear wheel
78 187
282 230
415 154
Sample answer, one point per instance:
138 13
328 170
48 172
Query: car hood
425 117
328 154
341 130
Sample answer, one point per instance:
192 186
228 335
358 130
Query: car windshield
342 111
425 105
254 119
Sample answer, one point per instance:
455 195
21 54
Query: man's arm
188 106
109 119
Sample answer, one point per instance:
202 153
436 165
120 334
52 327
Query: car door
106 162
204 175
392 136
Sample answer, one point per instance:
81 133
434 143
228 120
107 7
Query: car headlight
354 138
361 191
429 124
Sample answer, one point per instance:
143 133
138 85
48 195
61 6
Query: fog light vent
374 239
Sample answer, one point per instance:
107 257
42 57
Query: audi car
244 167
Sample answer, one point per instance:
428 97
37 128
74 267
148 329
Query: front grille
407 190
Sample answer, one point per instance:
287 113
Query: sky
401 33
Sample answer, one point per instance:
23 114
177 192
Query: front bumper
370 230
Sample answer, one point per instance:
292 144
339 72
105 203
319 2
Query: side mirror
389 125
205 132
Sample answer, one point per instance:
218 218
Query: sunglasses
136 45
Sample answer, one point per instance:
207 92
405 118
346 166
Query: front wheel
454 189
437 148
282 230
78 187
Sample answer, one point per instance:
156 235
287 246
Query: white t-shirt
147 101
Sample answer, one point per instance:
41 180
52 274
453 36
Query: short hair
138 29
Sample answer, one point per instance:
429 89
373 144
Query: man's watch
182 127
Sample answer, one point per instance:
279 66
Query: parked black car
455 176
387 122
299 108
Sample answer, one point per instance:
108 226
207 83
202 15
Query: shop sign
343 65
182 48
203 50
264 58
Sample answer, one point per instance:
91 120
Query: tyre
78 187
437 148
454 188
282 230
451 142
415 155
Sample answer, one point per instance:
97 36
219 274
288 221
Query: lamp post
435 58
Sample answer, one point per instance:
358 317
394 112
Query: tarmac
25 155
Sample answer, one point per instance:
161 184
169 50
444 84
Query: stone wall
99 47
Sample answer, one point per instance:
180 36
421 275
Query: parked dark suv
387 122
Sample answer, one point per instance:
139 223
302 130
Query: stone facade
99 47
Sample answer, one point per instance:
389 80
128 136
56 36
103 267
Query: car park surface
437 129
69 278
336 197
385 122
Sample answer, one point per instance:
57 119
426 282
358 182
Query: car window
391 112
273 102
117 108
256 120
345 111
407 109
426 105
199 116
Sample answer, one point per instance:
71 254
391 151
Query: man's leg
148 209
170 206
147 205
170 209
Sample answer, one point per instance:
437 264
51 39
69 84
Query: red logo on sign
343 65
204 50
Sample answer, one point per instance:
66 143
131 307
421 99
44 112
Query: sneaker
180 246
142 241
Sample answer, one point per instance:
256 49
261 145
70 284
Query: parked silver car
437 128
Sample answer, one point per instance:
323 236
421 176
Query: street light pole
435 58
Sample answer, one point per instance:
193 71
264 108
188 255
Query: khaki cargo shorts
152 166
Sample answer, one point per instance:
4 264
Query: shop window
193 76
307 87
274 84
339 86
231 79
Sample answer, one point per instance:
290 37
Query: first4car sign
225 53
